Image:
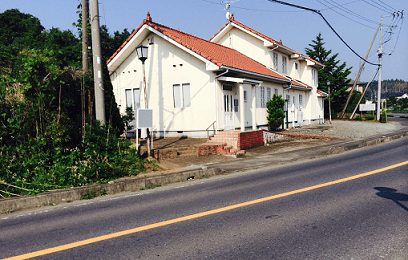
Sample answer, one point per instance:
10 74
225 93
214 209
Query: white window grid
275 61
284 64
181 95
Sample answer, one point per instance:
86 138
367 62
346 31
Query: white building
194 83
305 101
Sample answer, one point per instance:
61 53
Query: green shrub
369 117
383 116
36 165
275 111
357 118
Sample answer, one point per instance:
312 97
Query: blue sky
354 20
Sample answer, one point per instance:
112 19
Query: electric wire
387 7
385 4
399 32
351 12
321 15
382 9
345 16
250 9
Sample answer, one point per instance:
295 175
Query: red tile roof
322 93
232 20
301 84
216 53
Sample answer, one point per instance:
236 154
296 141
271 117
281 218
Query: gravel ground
346 129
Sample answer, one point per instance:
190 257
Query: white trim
240 80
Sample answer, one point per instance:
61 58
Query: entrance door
228 110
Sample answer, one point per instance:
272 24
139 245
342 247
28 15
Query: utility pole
85 64
359 74
97 63
380 53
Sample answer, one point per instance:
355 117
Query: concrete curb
124 185
144 182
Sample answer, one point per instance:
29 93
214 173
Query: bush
357 118
37 166
369 117
275 111
383 116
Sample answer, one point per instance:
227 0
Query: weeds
40 165
88 196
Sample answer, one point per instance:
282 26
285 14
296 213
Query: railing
208 131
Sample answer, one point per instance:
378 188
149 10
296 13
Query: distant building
359 85
405 95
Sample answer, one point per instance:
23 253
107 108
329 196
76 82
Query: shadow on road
391 194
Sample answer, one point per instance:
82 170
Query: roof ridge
216 53
232 20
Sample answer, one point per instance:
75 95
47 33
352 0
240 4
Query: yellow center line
196 215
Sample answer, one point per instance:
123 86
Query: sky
354 20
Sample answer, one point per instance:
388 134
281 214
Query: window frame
183 102
284 64
275 60
133 98
314 77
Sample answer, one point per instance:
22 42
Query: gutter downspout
215 98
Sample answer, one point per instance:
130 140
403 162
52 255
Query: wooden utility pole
97 63
359 74
380 54
85 63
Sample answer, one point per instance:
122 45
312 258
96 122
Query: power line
386 4
352 13
319 13
344 15
402 21
387 7
250 9
378 7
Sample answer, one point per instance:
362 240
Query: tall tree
334 71
18 28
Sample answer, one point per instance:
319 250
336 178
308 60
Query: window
275 61
284 64
276 91
268 94
181 95
288 99
314 77
294 100
300 100
133 98
296 69
245 96
228 103
262 96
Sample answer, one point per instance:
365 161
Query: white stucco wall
167 65
254 47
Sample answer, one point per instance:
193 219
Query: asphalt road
276 213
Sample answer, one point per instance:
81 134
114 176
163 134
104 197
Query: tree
275 111
333 71
18 28
355 97
392 100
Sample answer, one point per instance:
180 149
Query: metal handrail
208 131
